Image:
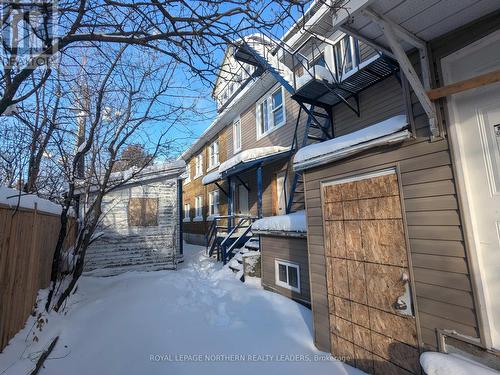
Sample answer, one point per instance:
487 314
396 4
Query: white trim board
480 289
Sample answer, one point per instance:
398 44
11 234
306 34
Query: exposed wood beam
407 68
377 46
468 84
410 38
400 31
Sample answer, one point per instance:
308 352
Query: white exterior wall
122 247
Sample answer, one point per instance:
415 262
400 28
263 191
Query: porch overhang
387 132
239 164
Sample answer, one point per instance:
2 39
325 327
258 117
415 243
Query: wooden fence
27 241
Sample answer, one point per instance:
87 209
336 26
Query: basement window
287 275
143 212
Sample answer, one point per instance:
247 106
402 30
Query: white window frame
198 166
277 263
198 207
213 163
187 212
340 41
236 139
188 174
215 211
267 101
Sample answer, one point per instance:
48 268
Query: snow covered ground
193 320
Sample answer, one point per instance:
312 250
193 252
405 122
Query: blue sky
185 135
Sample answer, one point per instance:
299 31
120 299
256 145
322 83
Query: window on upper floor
213 203
213 155
188 173
319 60
270 112
237 135
198 166
346 53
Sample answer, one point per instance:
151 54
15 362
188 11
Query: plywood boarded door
370 309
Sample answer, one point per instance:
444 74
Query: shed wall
122 246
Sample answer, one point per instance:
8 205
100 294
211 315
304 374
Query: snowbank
11 198
211 177
446 364
196 320
250 155
294 222
316 72
387 131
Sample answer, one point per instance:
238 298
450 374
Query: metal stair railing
241 224
230 249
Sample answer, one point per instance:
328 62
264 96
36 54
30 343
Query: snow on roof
149 171
211 177
294 222
169 168
387 131
251 155
317 72
11 198
441 363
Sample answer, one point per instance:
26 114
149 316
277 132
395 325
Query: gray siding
122 247
289 249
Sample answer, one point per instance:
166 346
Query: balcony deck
325 92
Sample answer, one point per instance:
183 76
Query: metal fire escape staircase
316 95
262 52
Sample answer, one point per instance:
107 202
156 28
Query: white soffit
427 19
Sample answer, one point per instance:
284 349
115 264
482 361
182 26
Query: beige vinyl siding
433 222
436 241
365 51
282 136
378 103
289 249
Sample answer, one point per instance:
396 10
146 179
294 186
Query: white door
242 200
475 127
280 194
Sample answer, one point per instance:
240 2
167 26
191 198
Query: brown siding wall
289 249
195 187
441 277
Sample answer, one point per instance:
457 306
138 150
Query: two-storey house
262 123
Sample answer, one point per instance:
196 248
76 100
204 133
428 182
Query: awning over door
388 131
246 160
